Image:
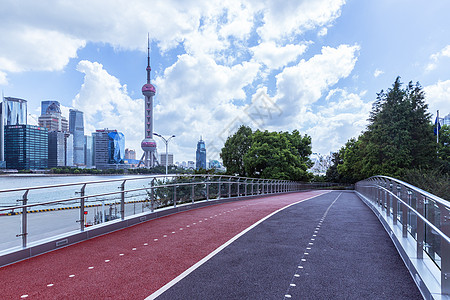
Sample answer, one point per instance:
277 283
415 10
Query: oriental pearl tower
148 144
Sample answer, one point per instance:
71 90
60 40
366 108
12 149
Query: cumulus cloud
106 104
377 73
296 17
274 56
437 97
434 58
299 86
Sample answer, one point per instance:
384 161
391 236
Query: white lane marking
287 296
107 260
24 296
300 267
303 259
121 254
133 249
165 235
145 244
50 284
71 276
220 248
173 232
90 268
292 284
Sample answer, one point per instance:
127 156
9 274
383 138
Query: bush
433 181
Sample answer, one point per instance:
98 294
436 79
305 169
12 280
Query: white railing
422 216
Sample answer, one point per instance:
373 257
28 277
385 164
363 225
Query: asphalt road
330 247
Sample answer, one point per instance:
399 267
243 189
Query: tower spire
148 58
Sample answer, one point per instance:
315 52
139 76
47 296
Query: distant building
190 164
163 159
109 149
26 147
57 149
89 151
52 119
447 120
76 128
200 155
130 154
13 111
215 164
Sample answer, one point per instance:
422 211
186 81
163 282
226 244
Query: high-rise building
109 148
76 128
13 111
56 149
88 151
148 144
447 120
162 159
130 154
51 118
200 155
26 147
190 164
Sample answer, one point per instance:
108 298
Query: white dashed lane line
155 240
292 284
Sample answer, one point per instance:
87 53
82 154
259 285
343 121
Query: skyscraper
109 148
148 144
51 118
13 111
76 128
200 155
26 147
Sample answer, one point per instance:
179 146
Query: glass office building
26 147
200 155
76 128
109 148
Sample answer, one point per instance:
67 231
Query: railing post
192 192
218 190
445 250
420 225
152 195
24 232
122 200
229 187
207 191
394 204
174 196
238 187
402 191
82 192
253 183
245 187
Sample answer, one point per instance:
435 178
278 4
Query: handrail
424 217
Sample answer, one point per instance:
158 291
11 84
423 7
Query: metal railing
423 216
92 203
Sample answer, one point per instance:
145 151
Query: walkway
328 245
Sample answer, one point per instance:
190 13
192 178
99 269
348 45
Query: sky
311 65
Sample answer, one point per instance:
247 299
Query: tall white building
163 159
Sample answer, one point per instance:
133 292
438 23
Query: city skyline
321 64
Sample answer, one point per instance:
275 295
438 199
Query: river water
49 194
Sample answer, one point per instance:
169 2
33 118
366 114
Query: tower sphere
148 144
148 90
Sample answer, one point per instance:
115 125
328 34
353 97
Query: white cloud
274 56
322 32
299 86
295 17
3 78
377 73
437 96
445 52
106 104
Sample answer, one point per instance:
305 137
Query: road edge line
171 283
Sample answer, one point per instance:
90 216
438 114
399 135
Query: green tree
444 149
399 136
278 156
236 146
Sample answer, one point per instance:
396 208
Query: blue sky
320 63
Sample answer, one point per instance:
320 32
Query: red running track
135 262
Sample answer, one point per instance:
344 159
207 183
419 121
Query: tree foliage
236 146
399 137
276 155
